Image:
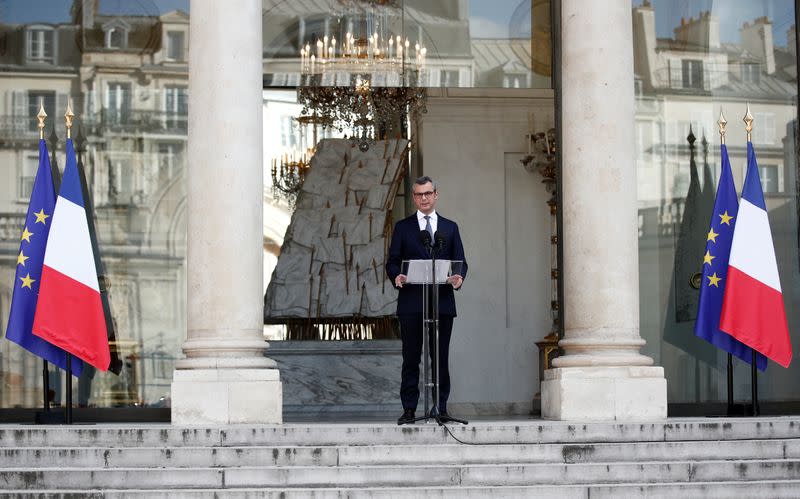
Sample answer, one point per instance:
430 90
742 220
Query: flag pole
730 385
754 385
68 406
41 116
722 122
748 127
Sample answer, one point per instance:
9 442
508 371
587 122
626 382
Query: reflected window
692 73
751 72
763 128
637 86
118 103
175 45
116 34
449 78
289 136
122 176
176 107
41 44
27 176
769 178
170 157
514 81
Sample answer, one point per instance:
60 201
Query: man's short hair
424 180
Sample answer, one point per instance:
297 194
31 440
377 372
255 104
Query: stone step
401 476
777 489
522 432
452 454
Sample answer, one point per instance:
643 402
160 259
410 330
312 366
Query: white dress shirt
434 220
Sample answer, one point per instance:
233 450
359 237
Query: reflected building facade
127 77
682 83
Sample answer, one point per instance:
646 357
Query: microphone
425 238
439 238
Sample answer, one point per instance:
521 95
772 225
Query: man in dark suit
407 245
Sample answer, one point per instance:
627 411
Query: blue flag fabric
29 269
715 269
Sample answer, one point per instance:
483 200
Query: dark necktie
428 226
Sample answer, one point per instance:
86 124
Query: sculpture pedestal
226 396
630 393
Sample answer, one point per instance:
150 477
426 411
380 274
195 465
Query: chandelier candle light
356 49
288 175
363 37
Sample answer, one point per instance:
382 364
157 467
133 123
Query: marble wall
341 378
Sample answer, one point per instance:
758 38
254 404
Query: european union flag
715 269
29 269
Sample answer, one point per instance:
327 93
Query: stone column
225 377
602 375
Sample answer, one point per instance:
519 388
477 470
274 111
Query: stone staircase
701 457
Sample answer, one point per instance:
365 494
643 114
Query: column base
631 393
226 396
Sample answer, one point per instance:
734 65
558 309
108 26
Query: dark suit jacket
406 245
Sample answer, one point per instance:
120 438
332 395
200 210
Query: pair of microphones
432 245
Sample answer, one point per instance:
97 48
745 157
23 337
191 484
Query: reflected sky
496 18
731 14
57 11
488 18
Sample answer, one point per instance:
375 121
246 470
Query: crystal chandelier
367 112
363 37
361 74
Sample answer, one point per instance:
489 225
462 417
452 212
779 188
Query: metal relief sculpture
329 282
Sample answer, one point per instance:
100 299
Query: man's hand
455 280
399 280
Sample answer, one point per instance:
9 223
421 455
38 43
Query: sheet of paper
419 271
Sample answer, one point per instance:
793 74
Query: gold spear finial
41 116
68 118
748 122
722 122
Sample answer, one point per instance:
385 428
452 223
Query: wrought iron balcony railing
107 120
123 121
11 226
18 128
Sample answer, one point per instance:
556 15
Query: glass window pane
175 45
448 43
134 160
693 59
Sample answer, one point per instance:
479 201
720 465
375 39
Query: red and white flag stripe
69 312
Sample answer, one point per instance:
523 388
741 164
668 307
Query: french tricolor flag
752 309
69 312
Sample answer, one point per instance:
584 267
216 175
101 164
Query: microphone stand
431 327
